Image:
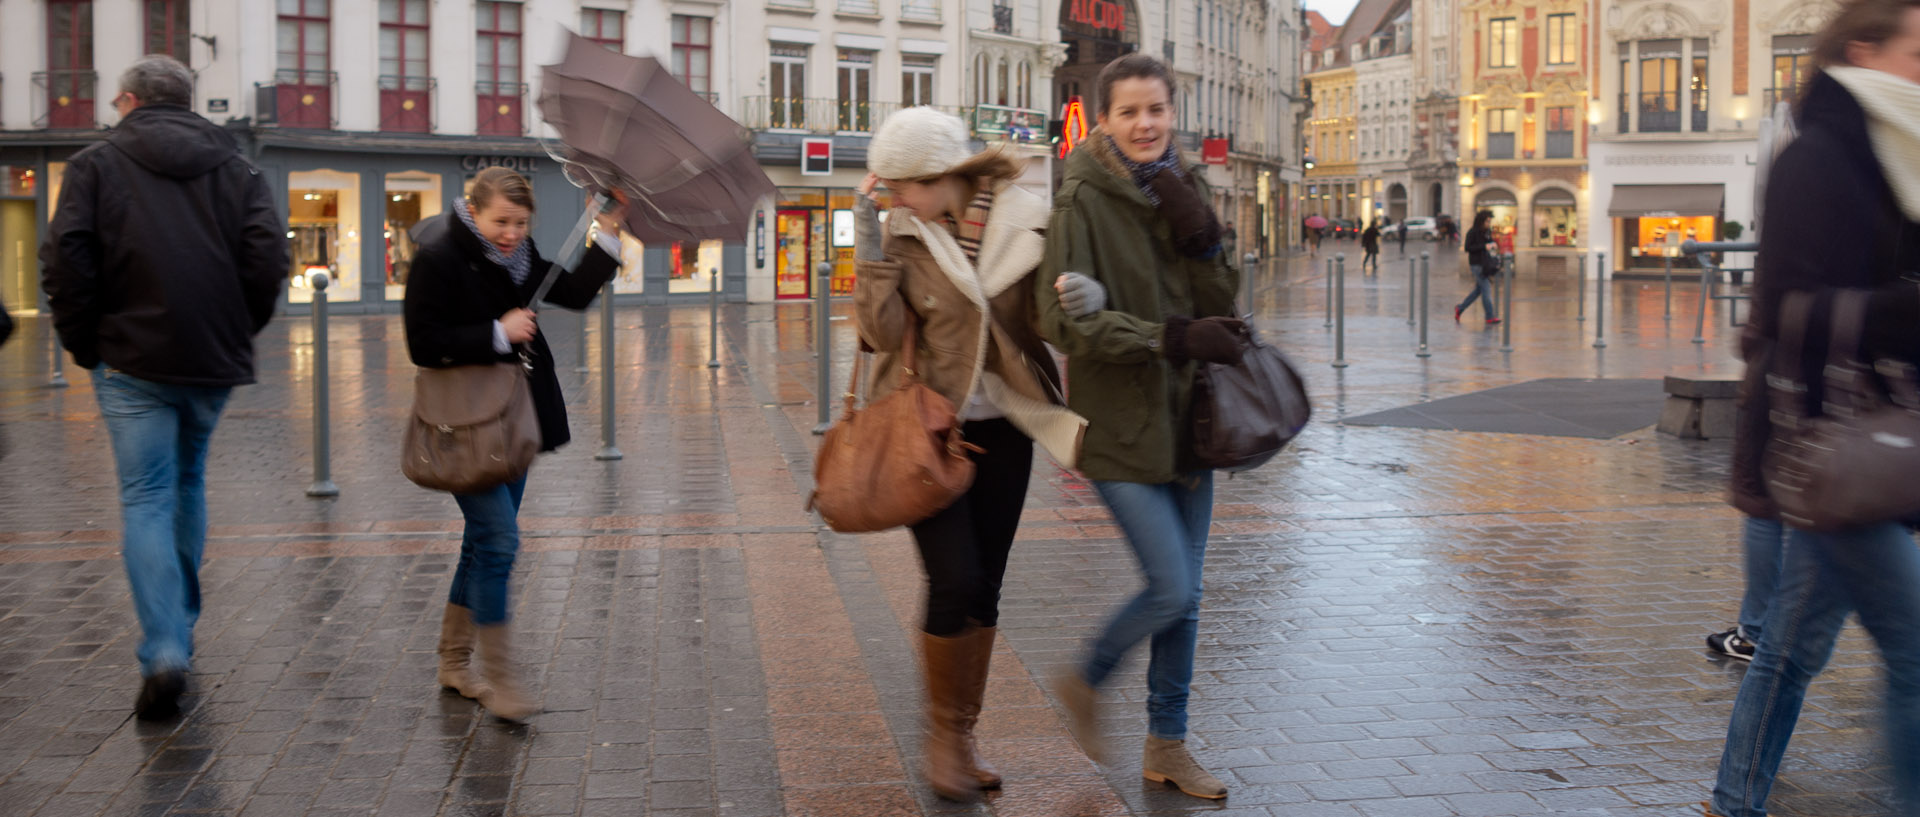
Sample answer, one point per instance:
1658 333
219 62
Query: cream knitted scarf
1893 123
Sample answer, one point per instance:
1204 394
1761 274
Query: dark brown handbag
895 462
1245 413
471 428
1859 462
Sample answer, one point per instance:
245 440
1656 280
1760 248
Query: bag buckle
445 429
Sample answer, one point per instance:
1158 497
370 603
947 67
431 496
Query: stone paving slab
1398 621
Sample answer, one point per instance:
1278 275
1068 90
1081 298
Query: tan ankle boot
456 653
942 662
501 695
1167 761
1080 698
976 658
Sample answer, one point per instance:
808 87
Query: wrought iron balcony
1559 144
297 99
500 108
813 115
1660 112
1500 145
407 104
64 100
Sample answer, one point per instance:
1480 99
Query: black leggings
964 548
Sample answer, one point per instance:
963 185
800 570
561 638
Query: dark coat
454 295
166 255
1476 246
1370 240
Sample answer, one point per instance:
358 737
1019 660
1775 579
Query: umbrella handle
601 204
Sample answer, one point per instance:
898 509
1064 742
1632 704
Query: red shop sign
1214 151
1100 14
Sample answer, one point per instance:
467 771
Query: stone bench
1699 408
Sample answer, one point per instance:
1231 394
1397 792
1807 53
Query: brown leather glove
1196 232
1208 340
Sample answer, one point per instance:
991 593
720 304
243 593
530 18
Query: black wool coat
454 295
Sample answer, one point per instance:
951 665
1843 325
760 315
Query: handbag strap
909 347
1786 393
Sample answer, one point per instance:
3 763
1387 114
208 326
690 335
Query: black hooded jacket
166 254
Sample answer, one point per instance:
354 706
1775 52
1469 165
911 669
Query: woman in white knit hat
955 264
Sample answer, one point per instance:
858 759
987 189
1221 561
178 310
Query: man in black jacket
162 262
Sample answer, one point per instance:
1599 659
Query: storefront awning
1666 200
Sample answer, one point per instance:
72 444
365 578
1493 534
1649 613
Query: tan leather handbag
896 462
1859 462
471 428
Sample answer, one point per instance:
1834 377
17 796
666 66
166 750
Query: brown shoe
976 657
501 694
943 662
1167 761
1080 699
456 653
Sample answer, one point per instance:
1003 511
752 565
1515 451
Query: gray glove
1079 295
866 230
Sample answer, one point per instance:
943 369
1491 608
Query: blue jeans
1482 289
1762 541
1874 570
160 434
487 548
1166 525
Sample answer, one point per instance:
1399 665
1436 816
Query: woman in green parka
1135 290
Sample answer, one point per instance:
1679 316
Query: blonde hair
501 182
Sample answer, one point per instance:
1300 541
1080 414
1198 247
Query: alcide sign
1098 14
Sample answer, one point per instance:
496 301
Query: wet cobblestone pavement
1397 621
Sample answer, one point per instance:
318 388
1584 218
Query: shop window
1555 219
1506 212
1656 241
410 197
631 279
323 231
692 265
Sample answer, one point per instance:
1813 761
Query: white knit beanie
918 143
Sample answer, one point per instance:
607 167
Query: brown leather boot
502 694
943 661
976 658
456 653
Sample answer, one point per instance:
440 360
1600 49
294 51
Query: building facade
1682 88
1523 90
1383 84
1434 158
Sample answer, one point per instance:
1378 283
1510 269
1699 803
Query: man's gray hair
157 79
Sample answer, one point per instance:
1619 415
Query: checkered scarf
972 224
1143 172
519 264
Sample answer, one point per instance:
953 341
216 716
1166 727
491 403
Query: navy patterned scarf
1143 172
519 264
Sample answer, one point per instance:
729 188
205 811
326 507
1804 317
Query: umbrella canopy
628 124
1317 222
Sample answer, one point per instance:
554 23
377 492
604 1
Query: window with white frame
1503 43
1563 39
787 86
856 90
916 79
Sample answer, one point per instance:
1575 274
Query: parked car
1343 229
1422 227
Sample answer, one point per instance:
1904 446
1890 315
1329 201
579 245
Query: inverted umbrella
627 124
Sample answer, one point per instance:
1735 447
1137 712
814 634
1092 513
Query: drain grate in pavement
1554 407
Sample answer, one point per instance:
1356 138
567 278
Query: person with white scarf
1842 205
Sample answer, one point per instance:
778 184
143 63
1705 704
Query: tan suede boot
502 694
976 657
1167 761
942 660
456 653
1080 698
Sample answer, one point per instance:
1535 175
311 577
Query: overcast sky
1335 11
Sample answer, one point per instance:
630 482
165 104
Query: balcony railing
298 99
64 100
1699 118
1659 112
1500 145
406 104
1018 124
813 115
1559 144
1002 18
1626 113
924 10
500 105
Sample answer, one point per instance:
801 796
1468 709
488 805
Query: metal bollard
1669 276
1248 264
713 320
1340 314
583 368
59 380
1600 302
823 345
607 449
1329 323
1413 288
1580 287
1506 307
322 445
1425 267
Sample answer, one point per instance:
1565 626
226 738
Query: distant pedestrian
1403 236
1133 215
162 262
955 264
473 274
1370 244
1482 263
1846 187
1230 239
